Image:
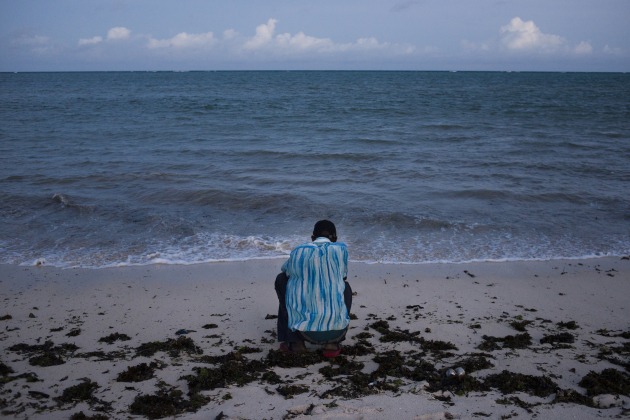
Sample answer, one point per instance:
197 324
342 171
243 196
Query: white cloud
300 41
287 43
90 41
583 48
522 35
264 34
118 32
184 40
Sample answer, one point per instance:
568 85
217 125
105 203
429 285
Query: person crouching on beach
313 293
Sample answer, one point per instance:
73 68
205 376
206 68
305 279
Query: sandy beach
545 339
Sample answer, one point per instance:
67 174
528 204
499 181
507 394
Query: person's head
326 229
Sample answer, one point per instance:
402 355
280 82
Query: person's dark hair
325 228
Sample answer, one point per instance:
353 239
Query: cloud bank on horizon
514 44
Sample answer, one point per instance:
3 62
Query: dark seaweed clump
291 360
393 363
356 385
5 370
82 416
232 369
458 385
570 325
114 337
475 363
573 397
74 332
46 354
610 354
341 366
520 325
100 356
77 393
510 382
397 335
139 373
166 403
518 341
564 337
235 369
171 346
288 391
608 381
360 348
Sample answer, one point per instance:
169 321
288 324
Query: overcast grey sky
547 35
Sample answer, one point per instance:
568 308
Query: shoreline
41 262
405 316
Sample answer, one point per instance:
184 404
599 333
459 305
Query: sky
180 35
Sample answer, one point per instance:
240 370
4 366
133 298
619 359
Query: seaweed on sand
570 325
46 359
171 346
518 341
138 373
397 335
475 363
102 356
393 363
5 370
520 325
572 397
361 348
114 337
353 383
232 368
459 385
46 354
82 416
390 363
387 335
288 391
78 393
608 381
341 366
564 338
291 360
30 377
74 332
510 382
166 403
271 377
355 386
437 346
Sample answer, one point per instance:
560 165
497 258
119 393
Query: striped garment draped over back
316 284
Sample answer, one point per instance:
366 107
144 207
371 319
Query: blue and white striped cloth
315 288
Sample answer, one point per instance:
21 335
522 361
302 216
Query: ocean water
106 169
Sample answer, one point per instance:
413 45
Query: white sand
458 303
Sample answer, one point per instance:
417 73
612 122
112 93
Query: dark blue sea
107 169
